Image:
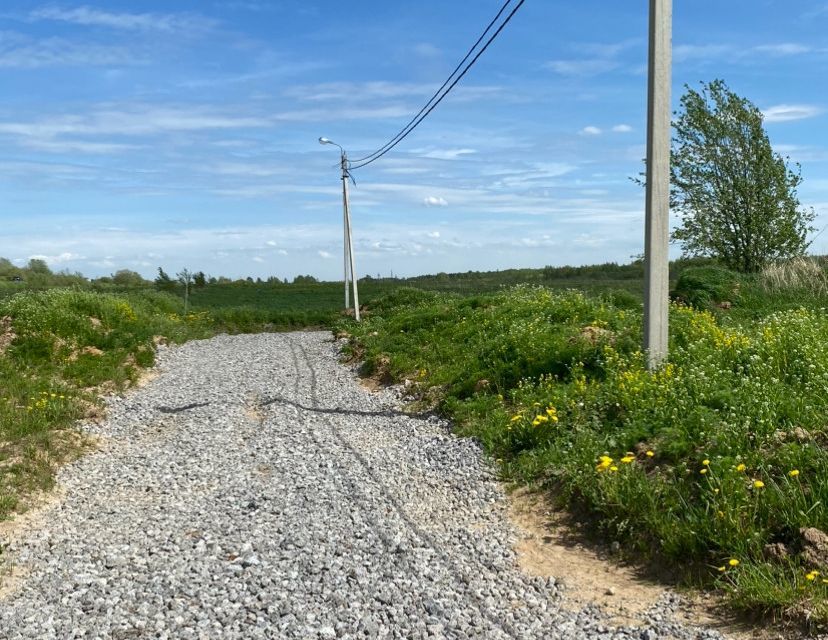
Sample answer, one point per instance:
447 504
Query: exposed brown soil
552 546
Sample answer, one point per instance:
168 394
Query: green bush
702 287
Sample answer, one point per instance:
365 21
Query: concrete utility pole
344 161
348 245
657 233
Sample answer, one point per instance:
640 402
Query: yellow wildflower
722 569
649 454
758 484
740 467
733 562
627 459
703 471
706 462
613 468
793 473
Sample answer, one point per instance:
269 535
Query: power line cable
443 86
386 148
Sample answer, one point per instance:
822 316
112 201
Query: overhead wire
376 155
443 86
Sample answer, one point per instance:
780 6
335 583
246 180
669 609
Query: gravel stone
256 490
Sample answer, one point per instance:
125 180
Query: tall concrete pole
351 246
657 233
344 164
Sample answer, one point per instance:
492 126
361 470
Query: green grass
69 345
715 455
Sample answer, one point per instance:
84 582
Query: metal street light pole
657 236
348 245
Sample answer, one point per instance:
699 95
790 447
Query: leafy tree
305 280
127 278
199 280
736 197
185 277
163 282
36 265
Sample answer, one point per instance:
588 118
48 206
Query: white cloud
622 128
433 234
22 52
434 201
88 16
447 154
60 258
257 259
788 112
783 49
426 50
590 131
324 254
590 67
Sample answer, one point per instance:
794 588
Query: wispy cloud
622 128
720 51
590 67
788 112
88 16
594 58
446 154
591 131
22 52
435 201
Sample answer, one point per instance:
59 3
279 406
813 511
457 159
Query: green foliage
127 278
706 460
59 348
163 282
737 198
702 287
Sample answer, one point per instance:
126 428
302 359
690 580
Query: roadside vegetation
60 349
65 340
715 464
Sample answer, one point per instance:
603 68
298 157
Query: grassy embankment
714 464
63 342
59 349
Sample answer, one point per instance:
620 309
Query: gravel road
256 490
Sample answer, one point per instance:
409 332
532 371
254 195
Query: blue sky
184 134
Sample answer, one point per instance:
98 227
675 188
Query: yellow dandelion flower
793 473
613 468
627 459
649 454
706 462
515 418
703 471
722 569
740 467
758 484
811 576
733 562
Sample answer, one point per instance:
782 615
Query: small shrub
702 287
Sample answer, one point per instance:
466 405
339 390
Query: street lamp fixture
348 243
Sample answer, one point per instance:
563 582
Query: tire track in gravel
452 568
